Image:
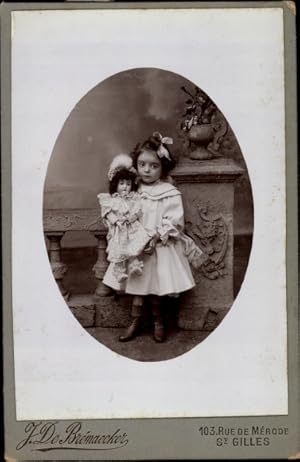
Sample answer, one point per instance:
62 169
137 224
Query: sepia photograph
149 164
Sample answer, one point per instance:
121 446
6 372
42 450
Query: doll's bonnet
120 162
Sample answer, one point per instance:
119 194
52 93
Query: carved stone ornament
72 220
211 234
61 222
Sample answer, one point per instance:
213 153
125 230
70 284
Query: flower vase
201 136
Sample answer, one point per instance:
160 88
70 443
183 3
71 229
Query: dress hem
174 292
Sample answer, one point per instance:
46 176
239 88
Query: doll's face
149 167
124 186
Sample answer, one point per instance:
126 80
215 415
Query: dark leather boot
159 329
131 331
159 334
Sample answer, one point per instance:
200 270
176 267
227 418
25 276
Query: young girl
120 211
166 258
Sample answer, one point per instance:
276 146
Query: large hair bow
162 151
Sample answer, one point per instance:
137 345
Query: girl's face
124 186
149 167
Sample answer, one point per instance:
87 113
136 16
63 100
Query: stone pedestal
208 197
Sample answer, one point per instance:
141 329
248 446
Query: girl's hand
151 245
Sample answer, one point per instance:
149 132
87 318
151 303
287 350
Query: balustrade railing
57 222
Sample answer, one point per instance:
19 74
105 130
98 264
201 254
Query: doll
121 211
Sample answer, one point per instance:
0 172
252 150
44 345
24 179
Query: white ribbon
162 151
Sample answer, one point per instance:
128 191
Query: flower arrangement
199 109
202 126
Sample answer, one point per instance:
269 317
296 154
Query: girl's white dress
167 270
126 235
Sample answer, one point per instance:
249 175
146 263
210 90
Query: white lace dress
126 237
167 270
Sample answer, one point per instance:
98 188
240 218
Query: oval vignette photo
148 214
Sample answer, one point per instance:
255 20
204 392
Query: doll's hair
122 174
153 143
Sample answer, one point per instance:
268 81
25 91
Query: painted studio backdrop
211 173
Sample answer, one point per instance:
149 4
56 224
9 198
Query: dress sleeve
172 220
105 201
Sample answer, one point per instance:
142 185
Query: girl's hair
152 144
123 174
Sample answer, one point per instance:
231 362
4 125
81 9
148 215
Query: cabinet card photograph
150 155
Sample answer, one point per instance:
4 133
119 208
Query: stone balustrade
59 221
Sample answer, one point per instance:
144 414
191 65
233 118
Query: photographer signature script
47 436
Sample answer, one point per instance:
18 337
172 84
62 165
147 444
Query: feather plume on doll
119 162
